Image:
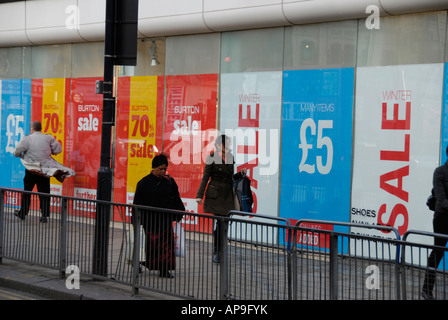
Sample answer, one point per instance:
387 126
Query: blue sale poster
444 139
317 144
15 97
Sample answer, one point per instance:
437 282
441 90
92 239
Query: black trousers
43 186
221 226
440 224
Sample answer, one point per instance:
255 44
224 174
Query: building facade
338 109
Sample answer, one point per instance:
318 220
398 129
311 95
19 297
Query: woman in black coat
159 190
217 184
440 225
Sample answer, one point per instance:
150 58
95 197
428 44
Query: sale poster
48 107
15 101
444 131
251 115
316 147
189 132
397 145
84 118
138 132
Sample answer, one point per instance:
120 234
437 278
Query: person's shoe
216 258
427 295
18 215
43 220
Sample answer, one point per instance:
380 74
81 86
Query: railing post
2 220
333 266
402 270
223 255
136 250
292 264
63 239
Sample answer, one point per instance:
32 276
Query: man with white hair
35 151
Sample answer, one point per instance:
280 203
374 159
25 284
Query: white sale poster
250 115
396 146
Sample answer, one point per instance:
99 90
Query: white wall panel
313 11
92 16
219 5
51 21
12 26
396 7
157 8
163 18
245 17
172 25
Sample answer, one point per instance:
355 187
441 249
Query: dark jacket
162 193
440 184
217 184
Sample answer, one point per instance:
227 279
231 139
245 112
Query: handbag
179 240
431 201
243 192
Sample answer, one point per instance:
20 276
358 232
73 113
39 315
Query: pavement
46 283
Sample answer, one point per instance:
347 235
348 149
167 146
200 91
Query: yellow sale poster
138 132
142 125
48 106
53 113
53 118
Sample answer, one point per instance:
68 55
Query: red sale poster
189 132
85 118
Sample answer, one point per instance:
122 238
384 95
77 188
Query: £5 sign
309 163
14 131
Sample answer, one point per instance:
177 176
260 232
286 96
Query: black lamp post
120 49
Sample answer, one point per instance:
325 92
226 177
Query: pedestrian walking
158 189
217 185
35 151
440 225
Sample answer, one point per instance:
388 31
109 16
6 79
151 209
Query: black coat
440 184
217 184
158 192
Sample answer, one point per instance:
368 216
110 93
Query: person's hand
199 200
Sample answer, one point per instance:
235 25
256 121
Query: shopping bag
130 245
179 240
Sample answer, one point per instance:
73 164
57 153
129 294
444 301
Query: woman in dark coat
159 190
216 183
440 225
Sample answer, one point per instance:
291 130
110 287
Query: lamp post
120 49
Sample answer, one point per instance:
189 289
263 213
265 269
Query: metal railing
345 259
265 257
414 258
